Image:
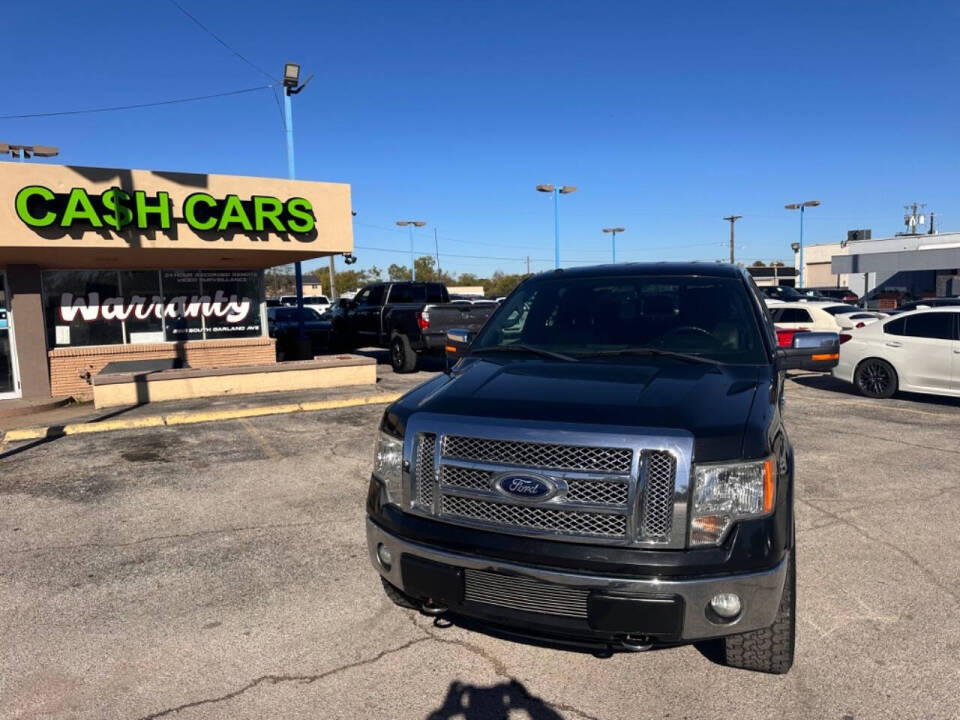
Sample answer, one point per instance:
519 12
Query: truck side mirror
458 340
816 351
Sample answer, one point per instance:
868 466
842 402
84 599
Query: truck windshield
708 317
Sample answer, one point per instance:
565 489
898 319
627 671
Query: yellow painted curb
349 402
108 425
188 418
25 434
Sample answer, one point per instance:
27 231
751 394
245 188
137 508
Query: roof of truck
708 269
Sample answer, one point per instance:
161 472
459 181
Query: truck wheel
402 357
769 650
398 597
876 378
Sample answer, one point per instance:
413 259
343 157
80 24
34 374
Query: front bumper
645 605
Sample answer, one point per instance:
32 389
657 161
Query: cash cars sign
40 207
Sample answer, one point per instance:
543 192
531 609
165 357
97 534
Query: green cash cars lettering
116 213
234 214
161 209
301 215
23 211
79 207
267 208
190 210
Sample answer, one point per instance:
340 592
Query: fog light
386 559
726 605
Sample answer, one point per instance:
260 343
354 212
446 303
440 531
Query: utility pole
528 264
732 219
436 245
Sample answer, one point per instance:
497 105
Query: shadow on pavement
491 703
828 383
54 432
432 362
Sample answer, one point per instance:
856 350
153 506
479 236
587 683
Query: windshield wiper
525 349
652 351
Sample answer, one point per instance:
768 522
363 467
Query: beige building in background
77 296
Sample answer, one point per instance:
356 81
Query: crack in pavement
924 570
895 441
277 679
156 538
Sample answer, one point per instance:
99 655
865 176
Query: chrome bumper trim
760 592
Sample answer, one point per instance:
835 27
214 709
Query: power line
115 108
216 37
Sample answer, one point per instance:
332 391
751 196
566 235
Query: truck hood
714 403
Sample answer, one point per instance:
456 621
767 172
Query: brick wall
71 367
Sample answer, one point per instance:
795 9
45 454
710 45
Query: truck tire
876 378
402 357
398 597
769 650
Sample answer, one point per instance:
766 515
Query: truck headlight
388 465
726 492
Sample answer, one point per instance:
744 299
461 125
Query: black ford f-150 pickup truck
605 465
409 318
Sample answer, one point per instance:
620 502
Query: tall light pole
557 192
613 232
411 224
292 86
801 207
732 219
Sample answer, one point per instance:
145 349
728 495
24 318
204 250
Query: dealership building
113 267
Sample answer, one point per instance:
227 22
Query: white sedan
916 351
820 316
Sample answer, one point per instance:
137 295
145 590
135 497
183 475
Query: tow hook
636 643
428 607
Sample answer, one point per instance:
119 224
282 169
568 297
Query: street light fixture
557 192
411 224
25 151
801 207
613 232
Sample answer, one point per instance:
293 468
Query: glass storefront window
81 308
109 307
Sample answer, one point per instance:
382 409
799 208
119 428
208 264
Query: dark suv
605 465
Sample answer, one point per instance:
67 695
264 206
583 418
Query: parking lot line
187 418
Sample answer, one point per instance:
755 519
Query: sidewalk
83 417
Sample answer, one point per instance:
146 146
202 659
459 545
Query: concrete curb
188 418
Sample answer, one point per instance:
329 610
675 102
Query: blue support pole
292 174
556 226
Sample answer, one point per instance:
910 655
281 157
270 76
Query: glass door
9 380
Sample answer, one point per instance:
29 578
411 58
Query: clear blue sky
668 116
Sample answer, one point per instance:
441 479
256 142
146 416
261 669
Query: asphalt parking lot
220 571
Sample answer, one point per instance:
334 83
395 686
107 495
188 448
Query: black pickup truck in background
409 318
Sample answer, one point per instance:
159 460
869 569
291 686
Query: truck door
366 316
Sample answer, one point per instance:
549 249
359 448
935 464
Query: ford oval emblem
526 487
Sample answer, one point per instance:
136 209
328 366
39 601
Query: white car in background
320 303
820 316
916 351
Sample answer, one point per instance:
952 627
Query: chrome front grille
539 455
424 473
606 487
516 593
659 479
540 517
